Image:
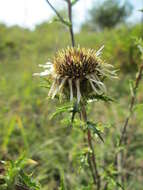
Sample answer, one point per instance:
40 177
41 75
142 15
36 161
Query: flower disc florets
76 62
77 72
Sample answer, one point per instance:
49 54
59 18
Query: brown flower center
75 62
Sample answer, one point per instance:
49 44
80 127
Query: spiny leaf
93 127
59 110
74 111
67 108
100 97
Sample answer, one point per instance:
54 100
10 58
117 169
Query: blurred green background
25 124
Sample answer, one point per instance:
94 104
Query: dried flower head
77 72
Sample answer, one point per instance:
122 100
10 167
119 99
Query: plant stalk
123 139
91 156
131 106
71 24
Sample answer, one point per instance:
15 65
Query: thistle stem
123 139
131 106
71 24
91 156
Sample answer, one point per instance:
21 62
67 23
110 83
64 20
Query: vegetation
37 144
109 14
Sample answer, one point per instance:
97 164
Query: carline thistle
77 72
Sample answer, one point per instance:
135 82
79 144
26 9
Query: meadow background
54 148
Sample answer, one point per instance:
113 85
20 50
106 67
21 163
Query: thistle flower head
76 72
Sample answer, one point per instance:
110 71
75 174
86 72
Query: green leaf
93 127
111 174
131 85
10 129
100 97
13 170
21 162
59 110
28 181
139 44
62 185
116 182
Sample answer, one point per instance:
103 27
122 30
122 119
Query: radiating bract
77 72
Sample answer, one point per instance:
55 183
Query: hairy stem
91 156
